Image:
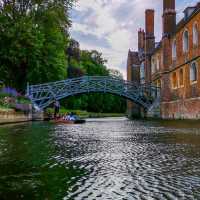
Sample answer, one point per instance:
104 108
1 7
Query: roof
181 23
184 21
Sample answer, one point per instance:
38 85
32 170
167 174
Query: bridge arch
43 95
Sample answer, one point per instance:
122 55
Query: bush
23 100
10 91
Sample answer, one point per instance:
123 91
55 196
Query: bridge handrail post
27 89
105 85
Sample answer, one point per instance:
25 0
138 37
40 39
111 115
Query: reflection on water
102 159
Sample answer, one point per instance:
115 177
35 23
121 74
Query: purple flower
10 91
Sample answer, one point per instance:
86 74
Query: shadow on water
27 166
112 158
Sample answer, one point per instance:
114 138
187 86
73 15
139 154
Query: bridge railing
43 94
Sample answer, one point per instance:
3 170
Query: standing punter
56 108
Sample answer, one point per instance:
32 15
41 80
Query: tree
33 39
92 63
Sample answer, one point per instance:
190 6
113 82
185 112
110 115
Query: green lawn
85 114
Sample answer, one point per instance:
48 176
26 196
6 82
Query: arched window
153 66
193 72
142 73
174 80
157 63
174 50
195 34
185 41
181 78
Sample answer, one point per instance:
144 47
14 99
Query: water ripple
104 159
131 160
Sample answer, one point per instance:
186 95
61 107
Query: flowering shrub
10 98
10 91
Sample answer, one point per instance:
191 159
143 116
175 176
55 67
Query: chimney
169 27
169 17
149 43
141 40
149 31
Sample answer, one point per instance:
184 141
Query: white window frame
172 80
153 67
181 85
192 79
174 52
185 43
157 63
195 34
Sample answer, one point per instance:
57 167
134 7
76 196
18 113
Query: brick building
172 64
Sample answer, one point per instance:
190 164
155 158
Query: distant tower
149 42
141 40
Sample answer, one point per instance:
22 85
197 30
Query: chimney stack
149 31
141 40
169 27
169 17
149 43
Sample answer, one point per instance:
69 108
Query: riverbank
11 116
84 114
8 115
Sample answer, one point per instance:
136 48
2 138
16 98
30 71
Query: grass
85 114
5 108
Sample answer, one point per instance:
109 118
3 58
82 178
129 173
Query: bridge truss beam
43 95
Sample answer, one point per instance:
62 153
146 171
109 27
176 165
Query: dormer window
188 12
174 50
195 34
185 41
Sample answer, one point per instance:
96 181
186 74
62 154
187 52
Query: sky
111 26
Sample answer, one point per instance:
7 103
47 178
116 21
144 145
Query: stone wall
10 116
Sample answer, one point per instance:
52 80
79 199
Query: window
195 34
174 49
157 64
159 83
174 80
181 78
153 66
185 41
193 72
142 73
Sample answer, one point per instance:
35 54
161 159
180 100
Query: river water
104 159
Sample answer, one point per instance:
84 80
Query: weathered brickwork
174 62
133 73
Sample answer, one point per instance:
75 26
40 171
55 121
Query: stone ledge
12 117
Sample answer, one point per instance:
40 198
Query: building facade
173 64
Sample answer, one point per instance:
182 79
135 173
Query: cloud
91 39
111 26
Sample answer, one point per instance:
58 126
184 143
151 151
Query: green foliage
33 40
23 100
84 114
35 47
91 63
